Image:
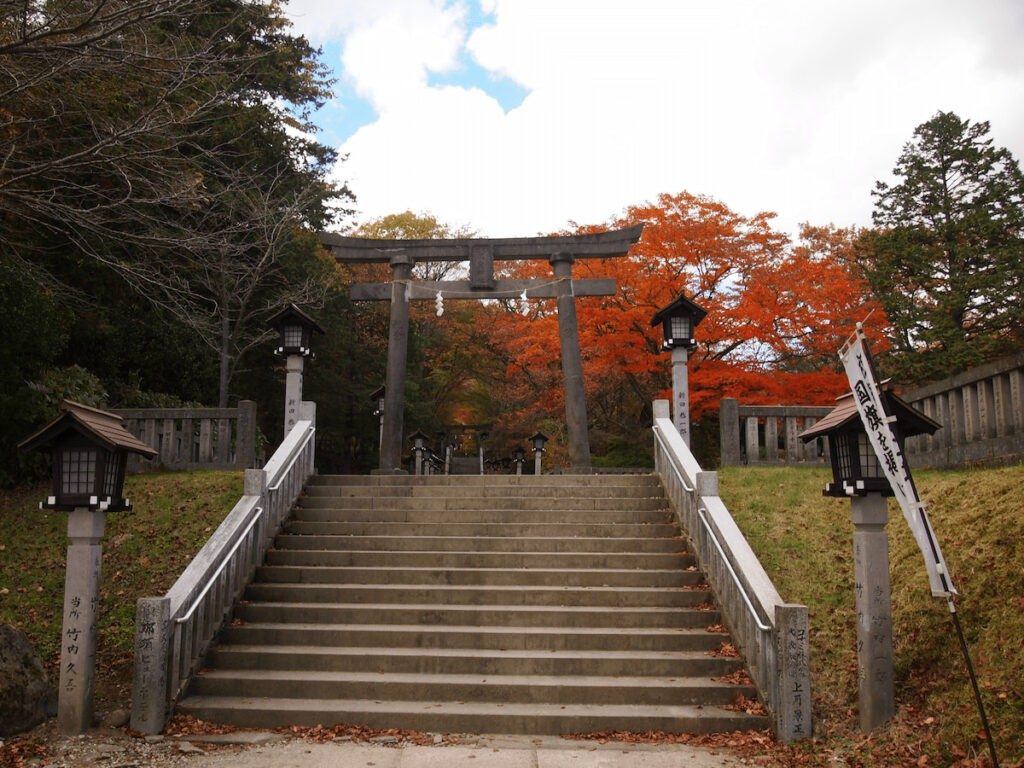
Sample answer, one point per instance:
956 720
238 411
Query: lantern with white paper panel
856 470
296 330
89 450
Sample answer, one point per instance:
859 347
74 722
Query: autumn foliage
777 314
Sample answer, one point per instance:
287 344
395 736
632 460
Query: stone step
488 604
477 595
493 689
471 661
564 577
529 481
440 559
574 516
469 717
506 530
479 491
472 637
422 615
394 543
552 503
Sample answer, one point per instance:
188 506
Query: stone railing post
793 678
729 431
245 435
149 681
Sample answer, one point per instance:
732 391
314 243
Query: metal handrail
220 569
668 453
702 516
298 452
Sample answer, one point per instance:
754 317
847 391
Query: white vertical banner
878 423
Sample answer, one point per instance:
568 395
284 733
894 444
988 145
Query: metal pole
572 365
681 392
398 349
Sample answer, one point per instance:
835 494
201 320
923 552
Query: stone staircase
487 604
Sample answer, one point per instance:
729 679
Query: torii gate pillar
572 365
398 350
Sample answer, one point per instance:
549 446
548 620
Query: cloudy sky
515 117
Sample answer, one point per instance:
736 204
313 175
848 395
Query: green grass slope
804 541
144 551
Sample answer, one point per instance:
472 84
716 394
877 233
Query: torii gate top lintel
594 246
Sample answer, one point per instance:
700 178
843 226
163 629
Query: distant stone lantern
377 396
519 458
480 438
679 319
296 329
89 450
419 447
538 441
857 474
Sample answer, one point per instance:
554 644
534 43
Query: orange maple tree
777 314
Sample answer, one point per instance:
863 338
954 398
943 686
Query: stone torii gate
481 254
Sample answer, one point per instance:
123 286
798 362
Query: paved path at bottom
492 752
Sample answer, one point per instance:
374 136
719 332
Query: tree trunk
225 360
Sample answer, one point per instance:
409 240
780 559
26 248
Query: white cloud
795 106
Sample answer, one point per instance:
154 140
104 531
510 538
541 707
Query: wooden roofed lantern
89 448
855 467
296 329
679 319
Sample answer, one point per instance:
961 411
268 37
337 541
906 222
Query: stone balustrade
982 417
767 434
194 438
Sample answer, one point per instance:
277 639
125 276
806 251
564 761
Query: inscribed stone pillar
874 610
572 365
78 634
681 393
729 431
394 386
292 391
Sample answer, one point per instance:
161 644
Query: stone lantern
89 450
857 474
538 441
678 320
377 396
419 447
519 458
296 329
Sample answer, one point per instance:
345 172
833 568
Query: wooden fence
767 434
982 417
194 438
981 412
